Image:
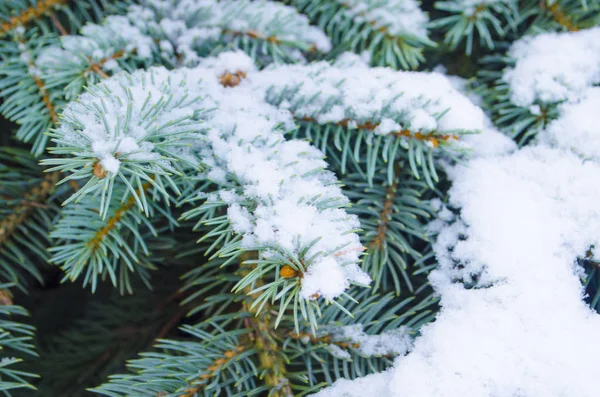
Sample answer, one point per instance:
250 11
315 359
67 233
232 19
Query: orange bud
433 141
288 272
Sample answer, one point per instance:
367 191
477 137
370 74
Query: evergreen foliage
243 197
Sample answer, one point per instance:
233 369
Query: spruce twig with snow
261 199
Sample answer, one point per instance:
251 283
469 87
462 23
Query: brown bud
5 298
99 171
232 79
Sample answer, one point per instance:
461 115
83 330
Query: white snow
577 126
553 67
526 216
376 385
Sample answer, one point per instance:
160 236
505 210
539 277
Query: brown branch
29 14
46 99
97 66
564 20
21 212
326 339
195 387
42 89
59 26
173 321
385 215
257 35
265 341
430 137
112 222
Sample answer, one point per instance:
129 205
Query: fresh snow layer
396 17
513 322
374 385
523 330
553 67
347 91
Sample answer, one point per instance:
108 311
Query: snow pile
525 218
395 17
577 126
523 330
279 194
190 25
376 385
513 322
391 343
544 73
348 93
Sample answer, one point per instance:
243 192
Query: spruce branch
39 9
54 16
392 33
113 248
110 330
15 339
27 202
267 31
515 85
38 60
168 122
27 99
562 15
472 22
271 359
328 102
212 362
393 221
